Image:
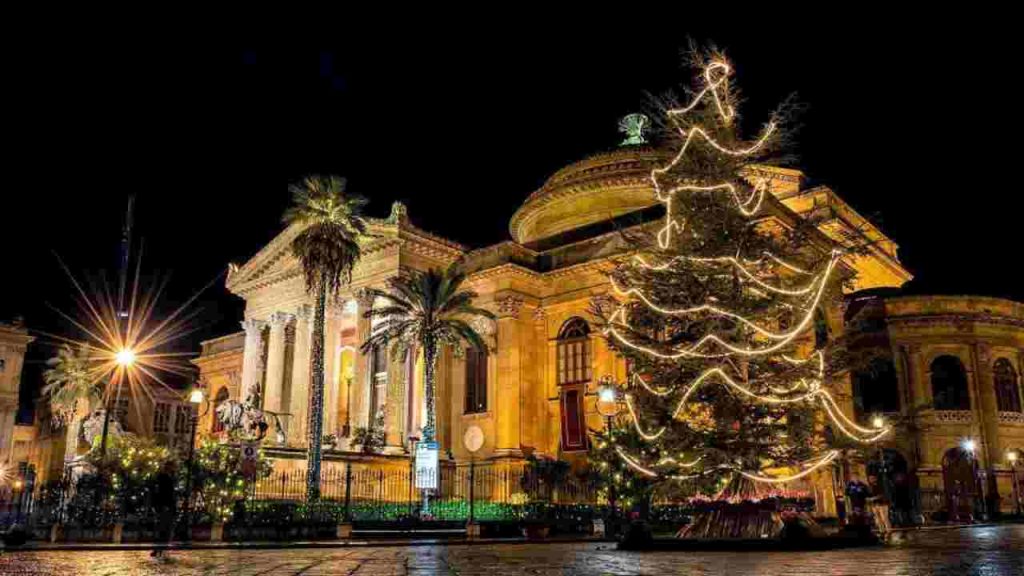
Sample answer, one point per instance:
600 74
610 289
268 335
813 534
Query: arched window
1007 389
876 388
222 396
949 384
574 352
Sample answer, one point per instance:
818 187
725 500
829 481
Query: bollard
217 532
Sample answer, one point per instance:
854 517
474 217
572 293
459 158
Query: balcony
953 416
1011 418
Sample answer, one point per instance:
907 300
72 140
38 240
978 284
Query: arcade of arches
534 392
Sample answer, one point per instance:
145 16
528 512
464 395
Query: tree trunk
316 396
429 361
74 428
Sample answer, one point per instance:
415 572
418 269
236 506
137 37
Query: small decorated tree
218 479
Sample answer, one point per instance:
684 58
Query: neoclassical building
951 365
535 391
14 340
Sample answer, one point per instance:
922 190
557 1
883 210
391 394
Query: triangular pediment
275 262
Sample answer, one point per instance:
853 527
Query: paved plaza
995 551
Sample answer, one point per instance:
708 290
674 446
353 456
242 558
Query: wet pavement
990 551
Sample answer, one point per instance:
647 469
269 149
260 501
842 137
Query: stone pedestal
118 533
217 532
344 531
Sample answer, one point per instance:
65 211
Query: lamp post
124 358
18 485
412 472
1012 456
878 422
970 446
196 398
608 406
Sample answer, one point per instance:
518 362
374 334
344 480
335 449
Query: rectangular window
476 381
573 436
161 417
119 410
573 361
379 382
183 419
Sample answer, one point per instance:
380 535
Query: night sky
914 122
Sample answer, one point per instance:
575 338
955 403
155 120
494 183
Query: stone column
252 358
273 399
394 428
361 381
987 410
332 340
299 401
509 375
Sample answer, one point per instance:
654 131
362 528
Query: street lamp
608 406
970 447
1012 456
125 358
196 398
878 422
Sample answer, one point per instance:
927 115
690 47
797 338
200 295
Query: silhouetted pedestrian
165 505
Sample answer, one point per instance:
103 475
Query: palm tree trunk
73 430
429 361
316 396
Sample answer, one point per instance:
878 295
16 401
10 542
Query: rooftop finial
633 126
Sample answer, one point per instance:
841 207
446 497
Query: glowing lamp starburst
125 357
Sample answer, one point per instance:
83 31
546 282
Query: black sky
913 121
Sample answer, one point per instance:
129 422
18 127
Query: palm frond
332 225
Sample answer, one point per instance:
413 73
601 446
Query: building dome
598 188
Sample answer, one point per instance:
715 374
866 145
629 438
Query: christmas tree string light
734 336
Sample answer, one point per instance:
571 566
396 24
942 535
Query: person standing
878 503
164 503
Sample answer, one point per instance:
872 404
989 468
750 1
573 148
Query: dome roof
600 187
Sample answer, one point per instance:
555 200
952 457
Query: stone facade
957 362
536 391
14 339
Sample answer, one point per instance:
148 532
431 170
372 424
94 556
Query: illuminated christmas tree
715 311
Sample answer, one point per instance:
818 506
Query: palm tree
327 248
426 309
73 387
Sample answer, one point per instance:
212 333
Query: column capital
540 315
509 306
984 351
280 319
253 326
364 297
303 313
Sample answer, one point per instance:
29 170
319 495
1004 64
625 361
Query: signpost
473 440
426 465
426 471
250 457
